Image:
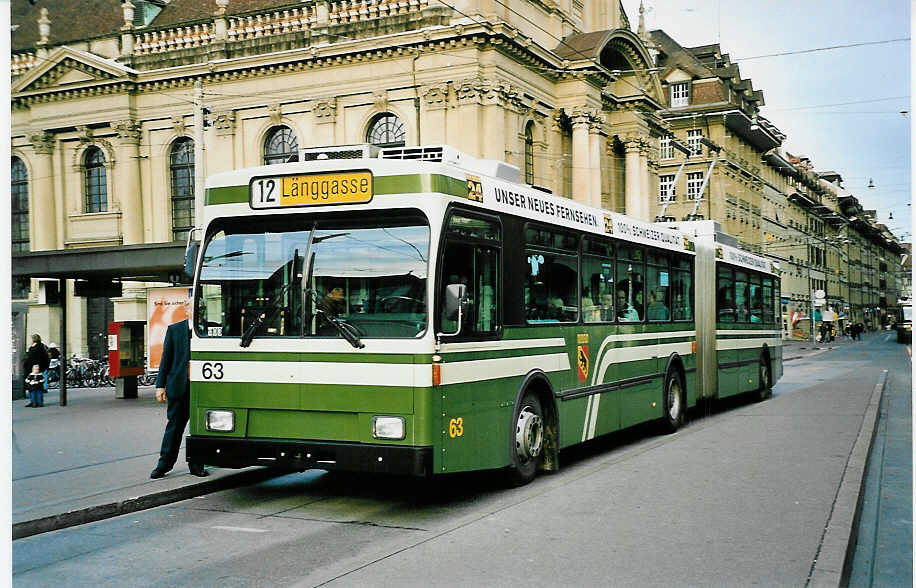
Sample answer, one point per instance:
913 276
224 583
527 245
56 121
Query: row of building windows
666 192
280 146
694 145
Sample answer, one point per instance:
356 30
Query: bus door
472 385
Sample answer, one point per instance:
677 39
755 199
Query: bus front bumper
299 455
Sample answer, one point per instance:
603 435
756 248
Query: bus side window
681 289
725 295
597 281
741 293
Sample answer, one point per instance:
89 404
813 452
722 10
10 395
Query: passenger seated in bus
625 310
681 311
591 312
657 310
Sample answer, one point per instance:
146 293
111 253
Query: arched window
96 182
280 146
19 206
181 171
529 153
386 130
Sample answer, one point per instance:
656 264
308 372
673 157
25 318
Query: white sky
807 95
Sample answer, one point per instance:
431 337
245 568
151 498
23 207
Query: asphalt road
739 497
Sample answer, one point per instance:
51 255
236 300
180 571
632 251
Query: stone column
633 178
644 180
126 185
581 159
42 211
595 139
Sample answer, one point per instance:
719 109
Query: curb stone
113 509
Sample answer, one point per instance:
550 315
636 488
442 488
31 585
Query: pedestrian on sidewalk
34 383
37 354
173 384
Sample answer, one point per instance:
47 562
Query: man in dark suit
173 383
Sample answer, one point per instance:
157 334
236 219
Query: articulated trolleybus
419 311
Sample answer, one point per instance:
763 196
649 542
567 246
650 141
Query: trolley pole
199 152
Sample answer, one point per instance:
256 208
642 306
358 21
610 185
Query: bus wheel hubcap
529 434
674 400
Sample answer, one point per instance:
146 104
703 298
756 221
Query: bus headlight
221 420
388 427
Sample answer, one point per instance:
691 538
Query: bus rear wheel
527 440
674 401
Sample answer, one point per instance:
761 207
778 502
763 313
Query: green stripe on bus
402 184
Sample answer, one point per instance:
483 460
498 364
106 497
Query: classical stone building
109 136
103 113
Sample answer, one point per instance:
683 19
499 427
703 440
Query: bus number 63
212 371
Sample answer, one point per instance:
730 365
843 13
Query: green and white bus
419 311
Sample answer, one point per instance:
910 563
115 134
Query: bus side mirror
456 303
456 300
190 257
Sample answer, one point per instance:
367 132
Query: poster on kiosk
164 306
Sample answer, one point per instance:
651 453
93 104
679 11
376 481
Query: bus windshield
301 276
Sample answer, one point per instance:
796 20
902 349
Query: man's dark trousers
173 376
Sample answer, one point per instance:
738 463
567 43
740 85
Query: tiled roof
75 20
70 20
582 46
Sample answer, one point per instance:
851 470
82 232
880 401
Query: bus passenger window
741 295
756 299
629 294
659 285
550 291
681 290
725 296
597 281
551 286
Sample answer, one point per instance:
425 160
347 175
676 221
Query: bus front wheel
674 402
527 440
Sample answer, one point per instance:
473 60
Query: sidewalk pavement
91 460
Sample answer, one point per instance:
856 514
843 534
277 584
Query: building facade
116 120
108 150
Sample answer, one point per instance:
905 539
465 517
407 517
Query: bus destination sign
311 189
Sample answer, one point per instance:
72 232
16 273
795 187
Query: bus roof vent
428 153
451 156
340 152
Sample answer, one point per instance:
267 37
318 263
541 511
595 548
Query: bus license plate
311 189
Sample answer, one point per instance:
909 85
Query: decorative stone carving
44 27
275 113
84 134
128 130
325 111
436 96
224 121
178 125
380 99
42 142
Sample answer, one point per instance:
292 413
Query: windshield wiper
262 317
346 330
